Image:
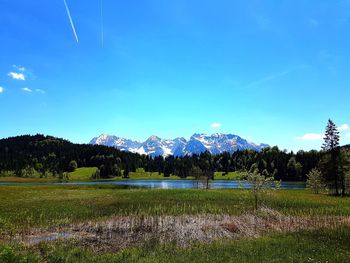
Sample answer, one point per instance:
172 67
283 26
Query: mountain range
198 143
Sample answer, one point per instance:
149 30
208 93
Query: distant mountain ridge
198 143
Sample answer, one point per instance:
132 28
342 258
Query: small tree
40 168
294 169
196 173
126 172
63 176
116 171
96 174
298 170
314 180
72 166
28 172
201 179
102 171
259 185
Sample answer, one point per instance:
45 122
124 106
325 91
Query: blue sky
269 71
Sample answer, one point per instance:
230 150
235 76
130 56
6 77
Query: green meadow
24 206
44 206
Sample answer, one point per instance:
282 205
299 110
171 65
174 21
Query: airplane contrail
71 21
102 40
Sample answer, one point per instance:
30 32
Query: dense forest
50 155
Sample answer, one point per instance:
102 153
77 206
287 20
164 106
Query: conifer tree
331 138
329 163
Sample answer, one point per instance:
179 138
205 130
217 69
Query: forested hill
47 154
53 155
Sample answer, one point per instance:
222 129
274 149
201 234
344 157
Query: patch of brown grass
231 227
125 231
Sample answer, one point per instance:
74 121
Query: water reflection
171 184
187 184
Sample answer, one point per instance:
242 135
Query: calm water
175 184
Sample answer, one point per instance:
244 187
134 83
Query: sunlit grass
140 174
23 207
228 176
83 173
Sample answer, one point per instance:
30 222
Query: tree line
24 155
47 155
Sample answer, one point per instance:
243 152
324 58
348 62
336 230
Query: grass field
83 173
24 208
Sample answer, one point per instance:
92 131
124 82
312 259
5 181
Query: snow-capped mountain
155 146
114 141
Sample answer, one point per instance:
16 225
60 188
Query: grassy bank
85 174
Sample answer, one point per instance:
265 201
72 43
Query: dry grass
129 231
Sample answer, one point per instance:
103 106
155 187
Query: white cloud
18 76
1 89
310 137
319 136
343 127
40 91
27 89
215 125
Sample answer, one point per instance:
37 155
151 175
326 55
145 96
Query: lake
172 184
183 184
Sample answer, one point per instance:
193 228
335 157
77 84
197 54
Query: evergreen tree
330 161
331 137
